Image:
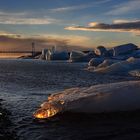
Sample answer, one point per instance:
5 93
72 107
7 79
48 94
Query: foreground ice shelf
121 96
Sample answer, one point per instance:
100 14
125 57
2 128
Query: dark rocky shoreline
5 123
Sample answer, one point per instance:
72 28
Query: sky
74 24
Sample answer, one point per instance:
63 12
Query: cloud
78 7
116 26
14 35
26 21
117 21
70 39
69 8
24 43
12 41
25 18
125 8
2 13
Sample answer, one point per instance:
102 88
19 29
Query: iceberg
95 62
100 51
136 53
124 49
44 53
57 55
53 54
79 56
113 97
120 67
107 62
116 68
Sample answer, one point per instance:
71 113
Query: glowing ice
121 96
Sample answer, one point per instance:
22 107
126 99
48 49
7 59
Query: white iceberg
121 96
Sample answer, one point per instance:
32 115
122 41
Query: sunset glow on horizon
76 24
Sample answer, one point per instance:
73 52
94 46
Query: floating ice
121 96
119 67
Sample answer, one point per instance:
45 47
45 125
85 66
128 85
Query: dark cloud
127 26
18 42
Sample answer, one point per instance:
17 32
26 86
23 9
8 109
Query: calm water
25 84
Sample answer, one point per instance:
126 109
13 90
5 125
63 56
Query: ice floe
121 96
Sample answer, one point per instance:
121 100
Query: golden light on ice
92 24
45 113
49 109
